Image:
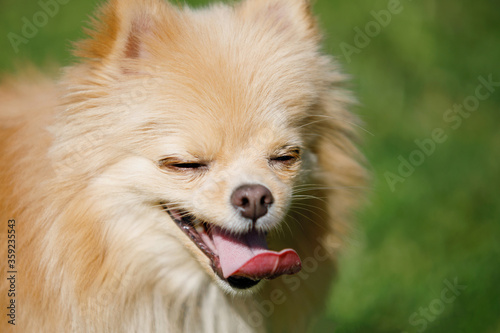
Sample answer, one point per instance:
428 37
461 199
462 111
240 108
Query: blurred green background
428 230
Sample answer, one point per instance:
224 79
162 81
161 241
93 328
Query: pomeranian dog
194 172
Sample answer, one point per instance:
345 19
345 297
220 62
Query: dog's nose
252 200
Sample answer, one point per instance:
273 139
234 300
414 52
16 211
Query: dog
195 171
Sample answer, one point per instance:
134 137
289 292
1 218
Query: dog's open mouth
241 260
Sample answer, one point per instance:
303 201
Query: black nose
252 201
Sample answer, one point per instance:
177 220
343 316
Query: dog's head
213 116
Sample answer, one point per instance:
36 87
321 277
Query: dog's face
228 182
211 121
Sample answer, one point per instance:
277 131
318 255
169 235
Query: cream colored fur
227 84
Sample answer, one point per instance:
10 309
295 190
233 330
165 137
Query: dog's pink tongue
248 256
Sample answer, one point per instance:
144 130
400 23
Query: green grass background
443 222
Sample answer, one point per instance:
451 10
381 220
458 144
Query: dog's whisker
309 209
327 188
306 197
327 117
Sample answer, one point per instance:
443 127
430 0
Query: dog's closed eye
285 159
189 165
175 164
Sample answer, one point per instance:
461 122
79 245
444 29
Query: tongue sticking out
248 256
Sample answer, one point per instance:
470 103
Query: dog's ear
121 29
293 15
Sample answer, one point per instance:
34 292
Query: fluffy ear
121 28
293 15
